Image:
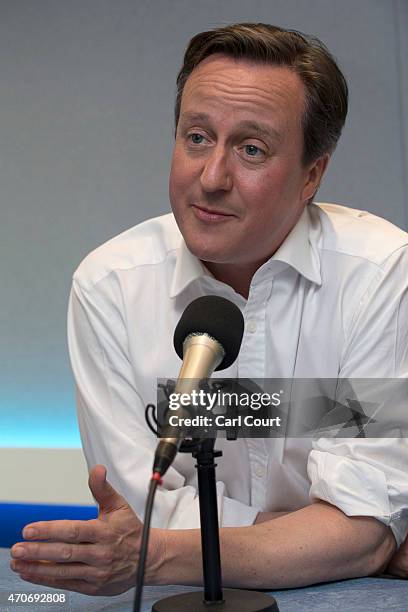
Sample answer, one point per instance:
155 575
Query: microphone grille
216 317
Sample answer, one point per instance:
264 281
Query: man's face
237 184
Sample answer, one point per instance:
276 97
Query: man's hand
96 557
398 565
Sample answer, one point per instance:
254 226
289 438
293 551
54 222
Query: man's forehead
265 87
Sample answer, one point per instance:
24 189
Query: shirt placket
251 365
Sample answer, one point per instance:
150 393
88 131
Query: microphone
207 338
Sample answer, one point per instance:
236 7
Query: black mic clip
188 445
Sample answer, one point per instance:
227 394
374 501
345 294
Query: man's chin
206 254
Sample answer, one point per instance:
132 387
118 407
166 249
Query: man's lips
210 214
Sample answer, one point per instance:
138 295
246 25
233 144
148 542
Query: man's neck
238 277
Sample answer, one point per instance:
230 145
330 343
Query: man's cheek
178 183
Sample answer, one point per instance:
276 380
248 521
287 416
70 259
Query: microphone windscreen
217 317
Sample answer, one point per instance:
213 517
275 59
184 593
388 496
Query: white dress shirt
331 302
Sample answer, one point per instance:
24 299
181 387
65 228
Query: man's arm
398 565
100 557
315 544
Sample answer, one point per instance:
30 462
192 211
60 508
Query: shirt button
251 326
259 471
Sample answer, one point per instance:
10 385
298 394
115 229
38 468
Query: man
323 292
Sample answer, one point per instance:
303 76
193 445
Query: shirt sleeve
367 476
111 417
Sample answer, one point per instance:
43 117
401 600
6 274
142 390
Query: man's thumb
105 495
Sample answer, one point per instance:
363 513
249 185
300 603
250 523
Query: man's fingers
67 531
91 554
63 571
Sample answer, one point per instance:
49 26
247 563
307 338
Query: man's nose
216 175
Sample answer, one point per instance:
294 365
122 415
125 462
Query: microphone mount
226 600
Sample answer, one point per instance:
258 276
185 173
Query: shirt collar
188 269
298 250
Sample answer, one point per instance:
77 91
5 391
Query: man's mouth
210 214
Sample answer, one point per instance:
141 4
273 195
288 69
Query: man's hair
326 92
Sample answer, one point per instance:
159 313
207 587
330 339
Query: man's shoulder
148 243
357 233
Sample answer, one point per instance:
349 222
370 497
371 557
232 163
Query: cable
154 481
150 415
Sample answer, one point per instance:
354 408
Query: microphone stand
225 600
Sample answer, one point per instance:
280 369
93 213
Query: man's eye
196 138
252 150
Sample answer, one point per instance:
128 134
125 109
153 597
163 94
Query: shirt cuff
356 488
231 513
237 514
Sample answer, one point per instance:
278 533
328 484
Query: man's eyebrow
259 128
193 116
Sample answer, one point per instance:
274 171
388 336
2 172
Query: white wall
44 475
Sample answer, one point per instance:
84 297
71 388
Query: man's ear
314 177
